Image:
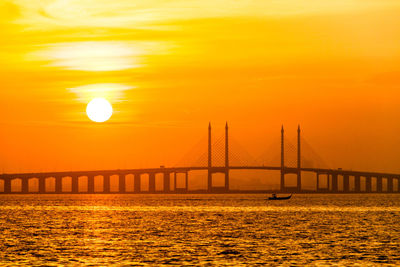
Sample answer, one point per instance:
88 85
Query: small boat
274 197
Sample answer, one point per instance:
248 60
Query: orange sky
169 67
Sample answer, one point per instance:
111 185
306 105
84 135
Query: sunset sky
170 67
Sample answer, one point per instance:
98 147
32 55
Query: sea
201 230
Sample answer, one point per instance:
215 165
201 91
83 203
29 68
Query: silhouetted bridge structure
361 181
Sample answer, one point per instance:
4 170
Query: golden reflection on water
199 230
207 208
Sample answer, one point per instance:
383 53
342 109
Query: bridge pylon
282 159
298 159
209 172
284 169
211 169
226 158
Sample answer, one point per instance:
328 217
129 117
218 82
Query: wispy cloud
113 92
98 55
137 14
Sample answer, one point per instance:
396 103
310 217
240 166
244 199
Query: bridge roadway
330 174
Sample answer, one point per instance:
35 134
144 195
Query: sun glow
93 56
98 55
114 92
99 110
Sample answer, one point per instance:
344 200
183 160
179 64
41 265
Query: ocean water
199 230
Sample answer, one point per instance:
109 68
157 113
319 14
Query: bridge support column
106 184
368 184
390 184
121 184
42 185
299 181
357 184
7 185
167 184
90 184
136 181
152 182
209 181
282 180
58 185
398 184
334 182
379 184
317 181
75 185
227 180
175 182
346 183
25 185
328 182
187 181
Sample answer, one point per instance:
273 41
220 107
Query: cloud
98 55
42 15
113 92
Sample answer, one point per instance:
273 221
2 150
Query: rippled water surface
199 229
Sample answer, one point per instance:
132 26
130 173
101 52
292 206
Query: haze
169 68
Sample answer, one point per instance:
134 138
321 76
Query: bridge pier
317 182
42 185
209 181
283 187
58 184
137 183
398 184
187 181
298 181
357 183
7 185
75 184
368 184
334 183
346 183
152 182
90 184
167 179
390 184
379 184
121 184
106 184
25 185
175 182
227 180
328 181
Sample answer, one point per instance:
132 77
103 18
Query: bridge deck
195 168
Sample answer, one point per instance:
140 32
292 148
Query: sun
99 110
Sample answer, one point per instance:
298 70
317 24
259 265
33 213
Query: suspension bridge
327 180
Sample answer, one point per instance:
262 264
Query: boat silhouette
274 197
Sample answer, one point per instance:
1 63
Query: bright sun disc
99 110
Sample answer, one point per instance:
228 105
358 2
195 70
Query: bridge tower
298 160
282 160
226 158
209 180
219 169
